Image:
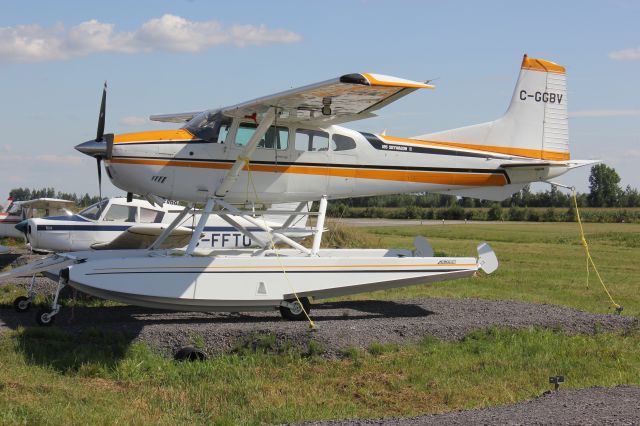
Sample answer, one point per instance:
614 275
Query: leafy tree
630 197
495 212
604 188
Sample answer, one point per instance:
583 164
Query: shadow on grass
86 337
66 351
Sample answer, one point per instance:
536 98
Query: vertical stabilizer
536 123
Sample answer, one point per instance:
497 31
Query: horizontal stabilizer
571 164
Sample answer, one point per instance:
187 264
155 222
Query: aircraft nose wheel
45 317
22 304
292 310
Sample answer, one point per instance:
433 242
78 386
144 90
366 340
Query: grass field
539 262
49 376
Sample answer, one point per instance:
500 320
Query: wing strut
245 155
176 222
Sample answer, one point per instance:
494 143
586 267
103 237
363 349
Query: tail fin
535 125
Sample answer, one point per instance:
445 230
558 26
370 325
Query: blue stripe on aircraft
82 228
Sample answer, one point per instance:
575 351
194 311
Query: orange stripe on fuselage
154 136
444 178
520 152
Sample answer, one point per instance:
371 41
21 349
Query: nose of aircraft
22 227
93 148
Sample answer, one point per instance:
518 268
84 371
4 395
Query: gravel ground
339 324
593 406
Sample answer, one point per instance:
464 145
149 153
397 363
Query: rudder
535 125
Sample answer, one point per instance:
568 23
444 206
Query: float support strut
317 238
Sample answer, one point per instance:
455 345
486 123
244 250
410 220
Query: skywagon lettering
546 97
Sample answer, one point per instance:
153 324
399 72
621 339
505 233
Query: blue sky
173 56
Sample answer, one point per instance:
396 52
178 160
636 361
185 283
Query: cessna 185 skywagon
288 147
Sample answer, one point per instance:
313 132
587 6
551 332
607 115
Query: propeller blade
103 109
99 161
109 139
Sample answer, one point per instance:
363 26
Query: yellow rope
312 324
590 261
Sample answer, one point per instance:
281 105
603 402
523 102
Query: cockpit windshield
93 211
207 125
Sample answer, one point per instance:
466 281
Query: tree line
24 194
604 191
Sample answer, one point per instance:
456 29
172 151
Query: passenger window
342 142
271 139
244 133
150 216
312 140
121 213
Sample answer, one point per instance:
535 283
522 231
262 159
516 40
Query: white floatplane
288 147
117 223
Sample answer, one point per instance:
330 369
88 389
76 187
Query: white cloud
132 121
33 43
631 54
69 160
7 148
606 113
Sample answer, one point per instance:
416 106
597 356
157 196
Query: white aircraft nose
93 148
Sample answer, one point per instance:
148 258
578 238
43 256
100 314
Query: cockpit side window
209 126
342 143
120 213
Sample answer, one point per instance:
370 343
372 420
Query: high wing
46 203
142 236
347 98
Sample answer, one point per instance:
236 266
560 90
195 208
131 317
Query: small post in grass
556 381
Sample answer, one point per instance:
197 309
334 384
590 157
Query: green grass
539 262
47 376
50 376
